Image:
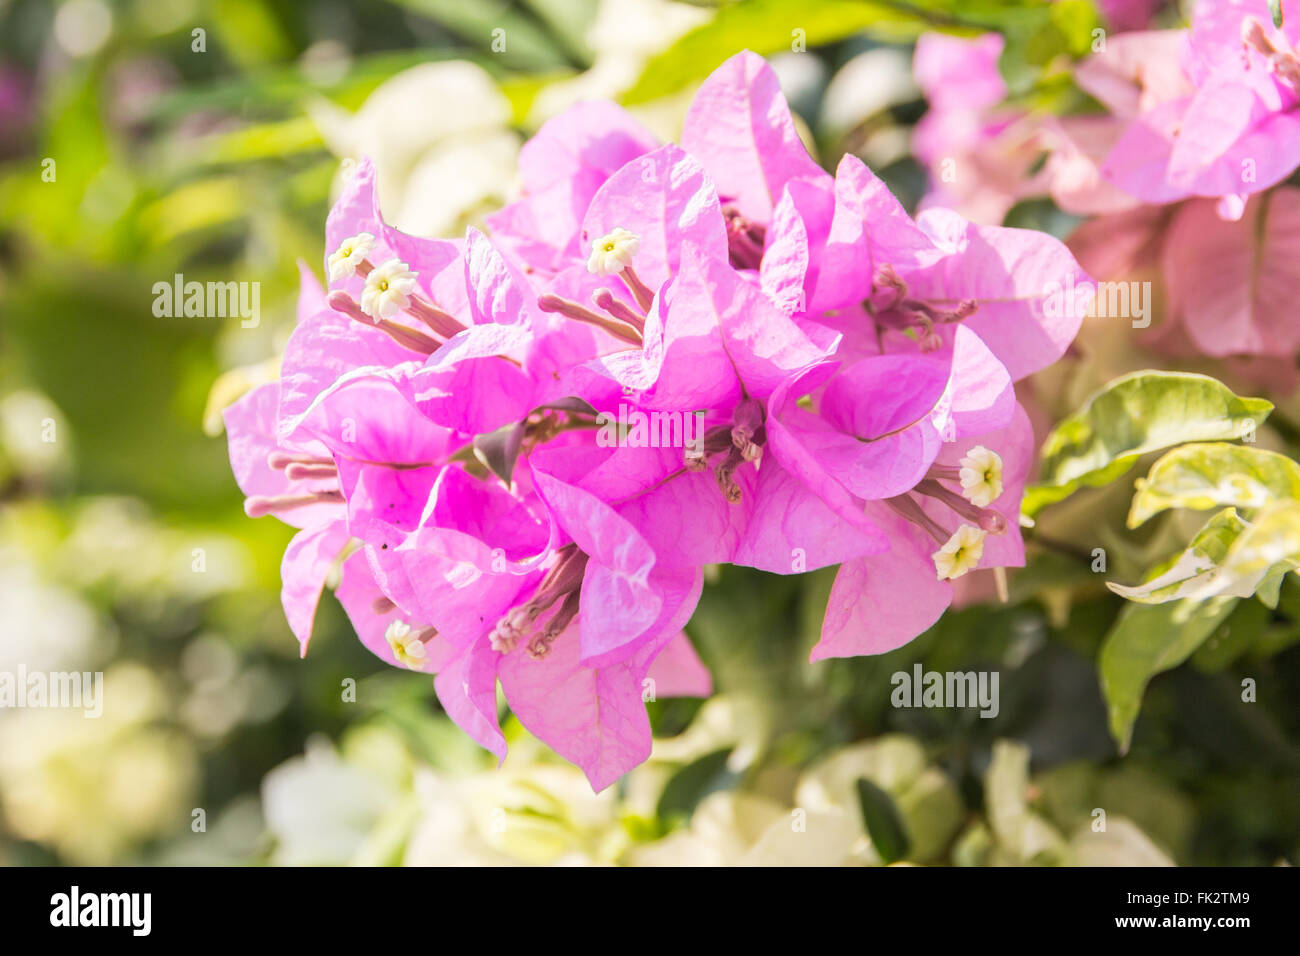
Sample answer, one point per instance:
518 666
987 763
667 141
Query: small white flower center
406 645
960 554
981 476
389 288
351 253
613 253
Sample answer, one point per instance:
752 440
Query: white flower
961 553
613 253
406 645
981 476
344 260
388 289
437 170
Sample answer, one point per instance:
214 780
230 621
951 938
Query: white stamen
960 554
406 645
351 252
981 476
613 253
388 290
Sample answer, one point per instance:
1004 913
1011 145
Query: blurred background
144 138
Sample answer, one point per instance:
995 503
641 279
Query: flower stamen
910 509
407 338
550 302
564 579
604 299
389 288
350 257
745 239
257 506
303 472
407 645
989 520
981 476
959 554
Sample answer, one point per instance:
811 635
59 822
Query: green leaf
496 27
1230 557
1147 640
692 783
1214 474
1197 572
1135 414
1022 835
1075 20
1233 638
883 821
767 26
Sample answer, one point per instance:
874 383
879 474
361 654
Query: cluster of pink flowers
440 432
1203 129
1187 172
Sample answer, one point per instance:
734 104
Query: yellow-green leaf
1133 415
1146 640
1208 475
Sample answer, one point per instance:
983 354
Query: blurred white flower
528 812
866 85
624 36
321 809
1120 844
116 541
33 433
94 788
43 625
723 829
440 140
724 721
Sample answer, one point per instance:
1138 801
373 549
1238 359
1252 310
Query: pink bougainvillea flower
932 448
1236 131
561 169
593 716
296 482
933 540
933 273
1133 74
1200 128
1129 14
1236 280
979 155
518 452
740 130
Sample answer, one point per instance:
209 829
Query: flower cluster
434 433
1188 172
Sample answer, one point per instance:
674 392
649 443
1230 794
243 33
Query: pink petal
1010 274
668 200
739 127
467 689
881 602
679 672
870 229
1236 281
357 592
303 569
